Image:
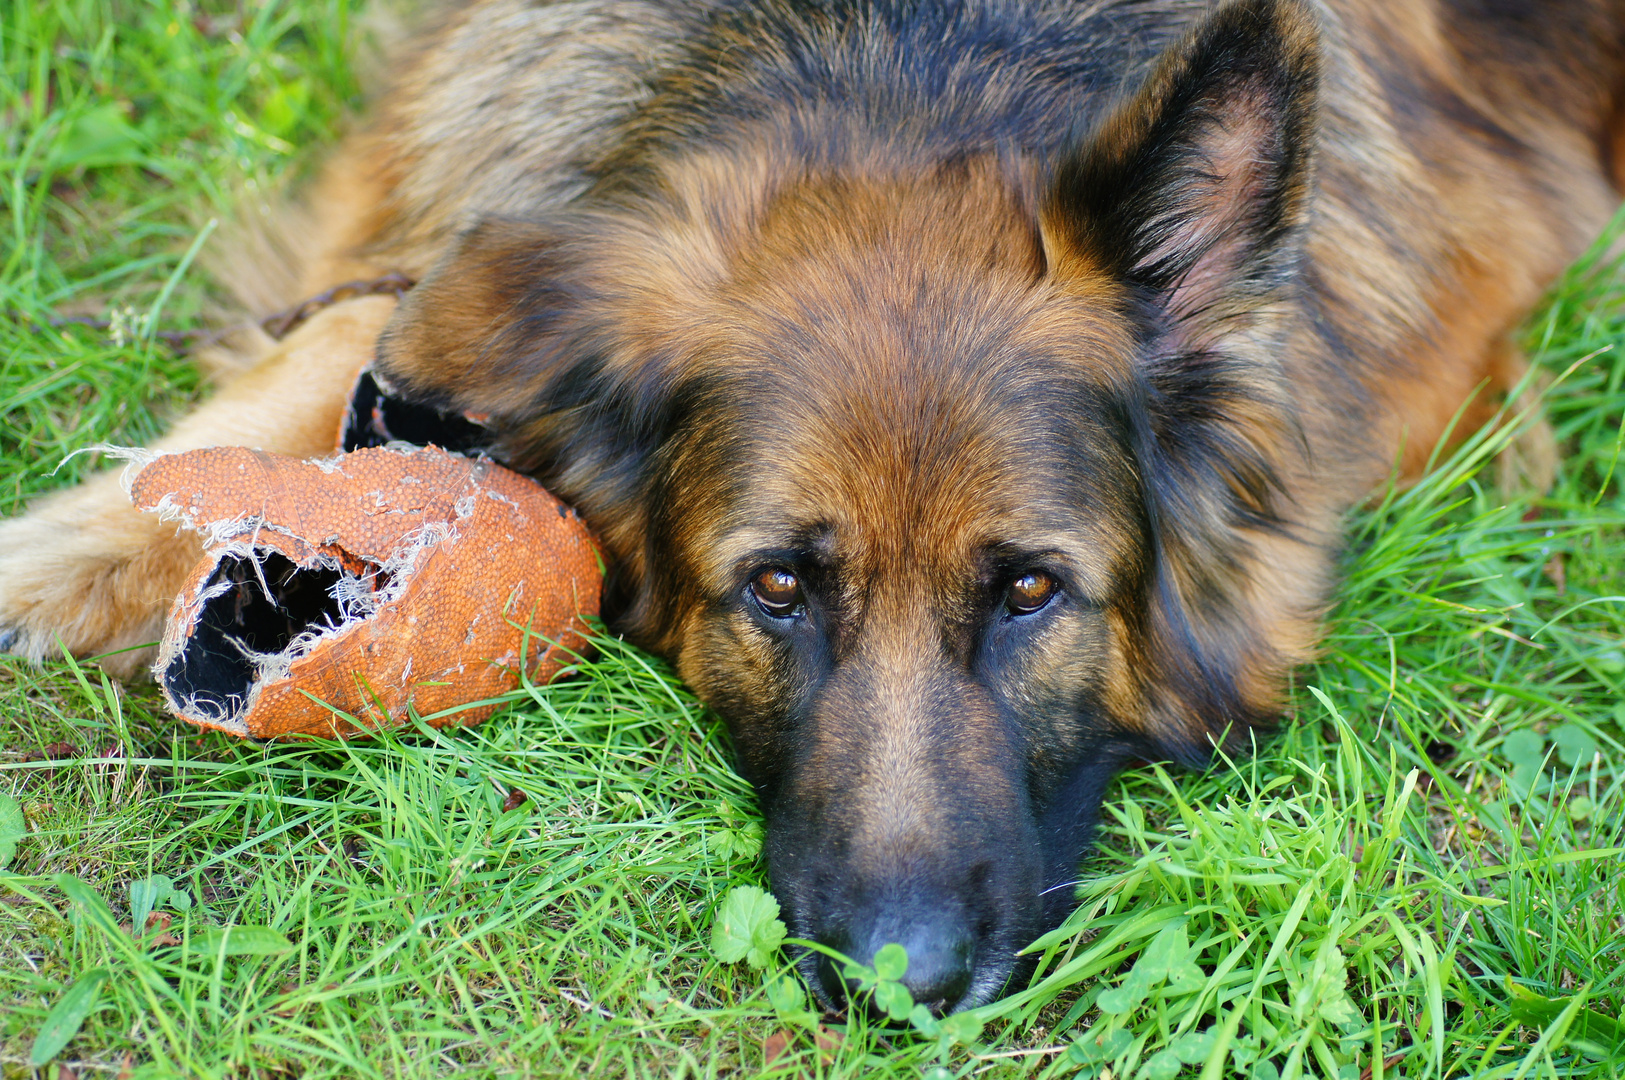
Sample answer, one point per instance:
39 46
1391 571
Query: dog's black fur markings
1027 353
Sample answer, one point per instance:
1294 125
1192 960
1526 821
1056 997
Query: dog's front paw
84 571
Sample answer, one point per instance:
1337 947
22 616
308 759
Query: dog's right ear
559 338
1193 198
491 327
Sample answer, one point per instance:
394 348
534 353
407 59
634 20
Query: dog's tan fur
1428 168
397 193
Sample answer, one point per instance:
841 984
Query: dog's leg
84 566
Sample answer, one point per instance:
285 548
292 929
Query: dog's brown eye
777 591
1029 592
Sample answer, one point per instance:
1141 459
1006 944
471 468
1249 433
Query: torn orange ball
336 596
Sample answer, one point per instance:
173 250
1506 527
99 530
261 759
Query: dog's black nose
940 960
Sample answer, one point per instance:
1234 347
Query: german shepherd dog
967 393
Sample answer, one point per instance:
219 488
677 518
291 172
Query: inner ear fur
1193 197
1195 192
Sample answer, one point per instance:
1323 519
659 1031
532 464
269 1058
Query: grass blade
67 1016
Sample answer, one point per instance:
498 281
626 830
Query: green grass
1417 877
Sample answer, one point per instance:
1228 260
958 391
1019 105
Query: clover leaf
891 962
747 927
1575 746
1095 1047
894 999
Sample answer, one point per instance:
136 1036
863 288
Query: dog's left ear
1192 198
1195 192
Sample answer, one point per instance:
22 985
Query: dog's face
907 591
933 478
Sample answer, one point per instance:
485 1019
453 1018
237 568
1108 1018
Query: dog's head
949 484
